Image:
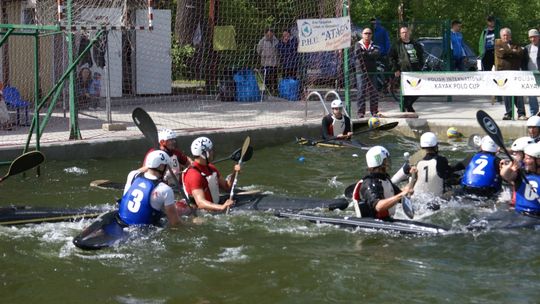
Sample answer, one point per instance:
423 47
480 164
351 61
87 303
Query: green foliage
519 16
181 56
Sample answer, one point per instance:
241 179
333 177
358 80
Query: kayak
105 232
19 215
333 143
394 225
505 219
264 202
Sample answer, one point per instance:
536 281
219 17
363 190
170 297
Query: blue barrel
289 89
247 88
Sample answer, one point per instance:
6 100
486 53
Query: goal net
193 65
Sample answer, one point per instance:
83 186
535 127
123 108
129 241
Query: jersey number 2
479 169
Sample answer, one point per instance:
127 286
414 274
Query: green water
258 258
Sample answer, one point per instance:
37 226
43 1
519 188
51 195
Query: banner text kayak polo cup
321 35
498 83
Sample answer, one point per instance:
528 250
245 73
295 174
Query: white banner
499 83
321 35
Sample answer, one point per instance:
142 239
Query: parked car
433 51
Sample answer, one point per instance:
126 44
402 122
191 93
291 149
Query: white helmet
533 150
166 134
376 156
336 104
201 145
157 158
533 121
428 140
519 144
488 145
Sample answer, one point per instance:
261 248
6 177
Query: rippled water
256 257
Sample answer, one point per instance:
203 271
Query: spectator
95 90
458 53
267 49
531 61
380 36
406 55
4 114
288 56
486 45
366 54
508 56
84 79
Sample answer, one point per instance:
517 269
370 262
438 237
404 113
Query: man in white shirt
531 60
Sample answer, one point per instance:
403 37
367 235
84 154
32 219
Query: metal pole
74 132
346 68
108 90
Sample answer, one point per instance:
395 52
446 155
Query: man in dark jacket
366 54
405 56
508 56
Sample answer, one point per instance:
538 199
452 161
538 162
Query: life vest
135 207
175 168
365 209
527 198
212 184
428 179
481 172
338 126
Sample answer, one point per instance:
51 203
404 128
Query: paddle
475 141
385 127
494 132
245 147
236 155
24 162
144 122
406 203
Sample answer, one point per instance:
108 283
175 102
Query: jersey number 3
134 204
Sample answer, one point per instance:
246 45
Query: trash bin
247 88
289 89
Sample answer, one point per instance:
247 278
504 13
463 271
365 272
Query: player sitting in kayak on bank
336 125
202 180
375 193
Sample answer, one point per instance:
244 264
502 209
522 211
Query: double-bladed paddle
385 127
24 162
494 132
245 148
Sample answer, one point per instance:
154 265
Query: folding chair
13 100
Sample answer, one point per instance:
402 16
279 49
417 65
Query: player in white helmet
376 193
179 161
336 125
482 175
434 171
146 197
527 198
533 127
202 181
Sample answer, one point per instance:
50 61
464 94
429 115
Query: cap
533 33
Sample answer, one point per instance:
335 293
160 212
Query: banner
321 35
497 83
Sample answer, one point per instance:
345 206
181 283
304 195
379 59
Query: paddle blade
475 140
349 191
144 122
385 127
408 208
245 147
492 130
238 154
24 162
